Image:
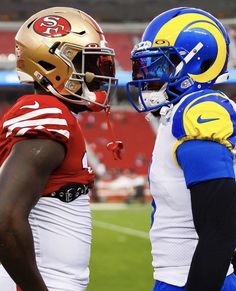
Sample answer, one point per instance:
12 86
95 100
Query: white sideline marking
121 229
108 206
115 206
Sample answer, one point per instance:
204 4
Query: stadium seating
7 42
123 44
131 128
116 10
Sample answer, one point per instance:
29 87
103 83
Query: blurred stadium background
121 251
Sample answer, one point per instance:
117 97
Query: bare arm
22 178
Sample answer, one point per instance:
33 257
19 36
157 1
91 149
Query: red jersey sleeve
38 116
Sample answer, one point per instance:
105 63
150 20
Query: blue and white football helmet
182 51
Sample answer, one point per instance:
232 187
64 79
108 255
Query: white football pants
62 239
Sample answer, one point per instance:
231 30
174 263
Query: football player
45 222
183 52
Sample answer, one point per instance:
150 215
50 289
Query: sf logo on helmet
52 26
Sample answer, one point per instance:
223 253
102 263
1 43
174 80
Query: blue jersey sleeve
203 160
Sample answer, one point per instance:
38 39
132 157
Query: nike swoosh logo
203 120
34 106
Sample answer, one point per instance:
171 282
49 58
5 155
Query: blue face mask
153 65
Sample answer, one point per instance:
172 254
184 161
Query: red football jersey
43 116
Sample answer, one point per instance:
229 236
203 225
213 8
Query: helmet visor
156 64
100 65
150 68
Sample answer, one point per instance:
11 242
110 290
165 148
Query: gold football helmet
64 50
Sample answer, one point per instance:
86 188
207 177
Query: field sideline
121 259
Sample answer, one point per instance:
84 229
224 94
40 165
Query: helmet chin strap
57 94
90 96
48 87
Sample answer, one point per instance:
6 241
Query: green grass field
121 259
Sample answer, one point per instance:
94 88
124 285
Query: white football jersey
173 236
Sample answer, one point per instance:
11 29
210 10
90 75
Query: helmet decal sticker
162 42
52 26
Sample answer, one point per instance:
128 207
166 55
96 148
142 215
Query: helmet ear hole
205 65
47 66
